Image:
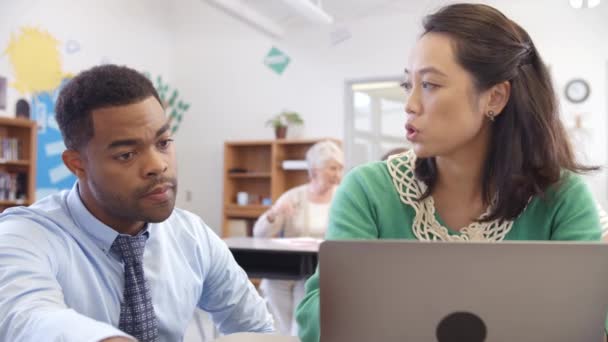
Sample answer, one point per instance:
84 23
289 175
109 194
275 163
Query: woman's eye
427 85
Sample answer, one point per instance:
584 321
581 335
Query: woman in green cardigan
490 158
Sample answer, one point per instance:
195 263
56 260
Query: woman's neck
461 172
456 176
319 193
458 193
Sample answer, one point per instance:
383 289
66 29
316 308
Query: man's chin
158 215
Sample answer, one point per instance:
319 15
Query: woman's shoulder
297 191
372 173
571 189
397 166
370 169
380 178
570 185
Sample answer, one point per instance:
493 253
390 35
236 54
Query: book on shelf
10 149
13 186
295 165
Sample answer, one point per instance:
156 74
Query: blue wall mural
36 59
52 175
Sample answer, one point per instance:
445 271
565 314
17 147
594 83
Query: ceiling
347 11
340 10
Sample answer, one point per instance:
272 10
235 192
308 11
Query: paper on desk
256 337
298 241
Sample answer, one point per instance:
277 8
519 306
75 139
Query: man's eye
125 156
164 144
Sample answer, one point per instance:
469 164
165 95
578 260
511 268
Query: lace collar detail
425 226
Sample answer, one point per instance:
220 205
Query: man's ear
75 163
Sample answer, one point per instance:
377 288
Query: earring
491 115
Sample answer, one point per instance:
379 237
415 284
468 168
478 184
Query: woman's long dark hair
529 146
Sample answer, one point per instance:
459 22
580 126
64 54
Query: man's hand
118 339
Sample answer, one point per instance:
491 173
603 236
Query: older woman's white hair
322 152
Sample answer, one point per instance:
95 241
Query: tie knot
130 248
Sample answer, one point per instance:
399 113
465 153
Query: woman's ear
498 97
313 172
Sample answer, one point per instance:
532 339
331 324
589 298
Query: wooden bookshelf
17 162
251 175
255 167
245 211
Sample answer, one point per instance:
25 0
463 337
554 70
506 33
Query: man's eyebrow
123 142
163 129
133 142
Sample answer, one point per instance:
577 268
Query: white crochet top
425 226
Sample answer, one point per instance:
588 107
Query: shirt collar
102 234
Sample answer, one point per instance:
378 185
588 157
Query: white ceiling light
310 11
374 86
584 3
576 3
239 10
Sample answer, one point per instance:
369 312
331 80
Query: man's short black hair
99 87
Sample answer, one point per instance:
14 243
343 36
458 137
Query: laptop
389 290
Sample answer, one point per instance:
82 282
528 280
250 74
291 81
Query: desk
288 259
253 337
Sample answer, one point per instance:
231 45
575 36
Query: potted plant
282 120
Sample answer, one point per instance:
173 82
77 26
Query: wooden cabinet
17 162
256 168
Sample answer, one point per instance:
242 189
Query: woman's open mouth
411 132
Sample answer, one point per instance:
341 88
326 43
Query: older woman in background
300 212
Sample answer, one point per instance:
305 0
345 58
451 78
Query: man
112 259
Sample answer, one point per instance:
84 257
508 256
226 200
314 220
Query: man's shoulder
32 227
45 214
182 220
182 215
188 230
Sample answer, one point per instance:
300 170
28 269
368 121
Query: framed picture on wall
3 93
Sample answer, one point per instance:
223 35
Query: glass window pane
361 152
362 111
393 118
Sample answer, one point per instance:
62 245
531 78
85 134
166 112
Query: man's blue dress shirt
60 282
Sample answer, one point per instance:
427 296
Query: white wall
573 43
134 33
220 68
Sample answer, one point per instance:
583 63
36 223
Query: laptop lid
387 291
